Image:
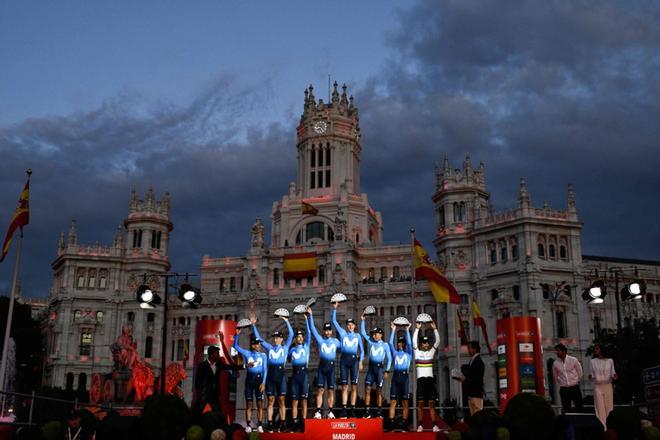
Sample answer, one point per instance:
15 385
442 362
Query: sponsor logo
258 362
348 342
501 349
400 360
328 349
504 383
343 436
526 347
276 354
298 354
343 425
377 351
502 373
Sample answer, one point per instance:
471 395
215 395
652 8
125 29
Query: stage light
147 297
595 293
189 295
634 291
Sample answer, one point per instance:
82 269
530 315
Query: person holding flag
255 382
402 355
350 363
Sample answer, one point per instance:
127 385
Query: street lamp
149 299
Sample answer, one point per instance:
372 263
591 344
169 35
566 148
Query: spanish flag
21 217
443 291
481 322
308 209
301 265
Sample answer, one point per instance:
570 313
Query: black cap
401 339
350 321
277 335
300 333
254 340
424 339
327 326
377 330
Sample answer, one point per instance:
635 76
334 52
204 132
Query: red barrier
348 429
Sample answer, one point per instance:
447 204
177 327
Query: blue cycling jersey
350 341
327 346
276 354
257 358
402 358
378 350
299 353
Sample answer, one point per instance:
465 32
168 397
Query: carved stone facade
525 260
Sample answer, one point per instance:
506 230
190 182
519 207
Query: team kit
354 350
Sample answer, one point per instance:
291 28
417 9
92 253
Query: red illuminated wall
207 333
519 357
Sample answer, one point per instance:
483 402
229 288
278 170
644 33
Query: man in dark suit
207 380
474 379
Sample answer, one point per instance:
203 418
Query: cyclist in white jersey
426 387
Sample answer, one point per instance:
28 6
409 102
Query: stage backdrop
207 333
519 357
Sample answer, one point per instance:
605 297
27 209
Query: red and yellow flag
301 265
308 209
443 291
21 218
460 328
481 322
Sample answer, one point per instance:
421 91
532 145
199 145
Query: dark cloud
557 92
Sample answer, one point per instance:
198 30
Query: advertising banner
519 357
207 332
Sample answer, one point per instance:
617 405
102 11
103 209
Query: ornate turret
73 234
571 200
523 195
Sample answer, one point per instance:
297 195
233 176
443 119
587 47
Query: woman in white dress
602 374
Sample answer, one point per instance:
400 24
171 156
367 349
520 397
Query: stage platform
348 429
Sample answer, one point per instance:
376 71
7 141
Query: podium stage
347 429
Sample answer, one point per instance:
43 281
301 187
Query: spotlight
595 293
147 297
634 291
189 295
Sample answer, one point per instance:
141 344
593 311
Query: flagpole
458 345
412 321
10 313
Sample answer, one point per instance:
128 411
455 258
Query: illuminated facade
525 261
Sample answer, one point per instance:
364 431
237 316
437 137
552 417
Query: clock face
320 127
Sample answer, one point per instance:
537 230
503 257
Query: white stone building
524 261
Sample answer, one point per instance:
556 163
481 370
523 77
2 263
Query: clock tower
328 143
324 205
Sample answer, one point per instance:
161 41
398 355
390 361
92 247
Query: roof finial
571 199
523 194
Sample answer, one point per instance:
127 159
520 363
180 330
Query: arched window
91 281
516 293
179 349
441 217
82 382
541 250
81 278
137 238
515 253
504 252
314 230
551 251
321 274
493 253
562 252
69 381
148 347
232 284
276 277
561 324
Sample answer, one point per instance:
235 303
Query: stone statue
258 234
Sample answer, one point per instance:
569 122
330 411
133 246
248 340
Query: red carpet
348 429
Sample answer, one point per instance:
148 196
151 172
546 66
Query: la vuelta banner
207 332
347 429
519 357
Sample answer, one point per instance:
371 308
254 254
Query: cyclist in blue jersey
276 380
402 356
378 352
299 357
255 382
325 377
350 362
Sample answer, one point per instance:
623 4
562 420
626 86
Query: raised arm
243 352
361 344
315 332
389 360
264 344
289 338
308 335
416 336
408 342
436 335
391 343
363 331
335 323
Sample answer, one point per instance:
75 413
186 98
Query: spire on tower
447 167
60 243
335 95
150 199
571 199
73 234
118 241
467 168
523 195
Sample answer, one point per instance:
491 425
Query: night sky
201 99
